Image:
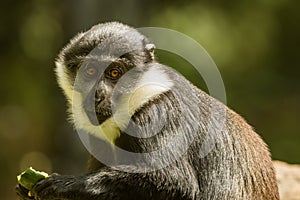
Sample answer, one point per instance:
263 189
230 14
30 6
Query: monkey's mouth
98 115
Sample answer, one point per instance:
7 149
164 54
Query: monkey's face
97 81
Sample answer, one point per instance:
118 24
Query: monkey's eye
114 73
90 71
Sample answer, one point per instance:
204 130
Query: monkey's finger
46 187
22 193
42 185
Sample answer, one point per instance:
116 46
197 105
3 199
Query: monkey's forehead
113 39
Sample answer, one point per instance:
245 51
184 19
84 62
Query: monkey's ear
150 50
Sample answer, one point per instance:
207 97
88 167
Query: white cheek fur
153 83
64 81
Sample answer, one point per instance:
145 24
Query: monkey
184 144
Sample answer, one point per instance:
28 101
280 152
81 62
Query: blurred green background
255 45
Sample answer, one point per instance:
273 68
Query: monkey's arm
113 184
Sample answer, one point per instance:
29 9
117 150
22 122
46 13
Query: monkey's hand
59 187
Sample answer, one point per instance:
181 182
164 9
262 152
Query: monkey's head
107 74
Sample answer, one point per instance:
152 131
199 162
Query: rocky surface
288 176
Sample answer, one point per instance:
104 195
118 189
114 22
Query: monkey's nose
99 96
99 99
